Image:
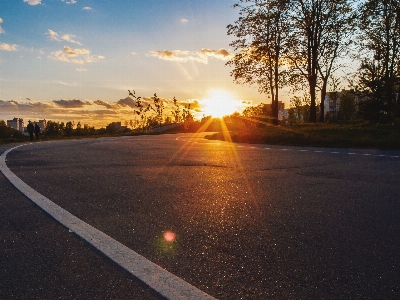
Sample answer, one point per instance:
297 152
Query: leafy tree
54 128
7 131
69 128
347 109
297 103
379 45
261 32
78 129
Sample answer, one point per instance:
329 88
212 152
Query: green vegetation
351 134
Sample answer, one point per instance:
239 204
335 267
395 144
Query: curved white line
162 281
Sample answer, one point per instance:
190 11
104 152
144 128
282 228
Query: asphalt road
251 221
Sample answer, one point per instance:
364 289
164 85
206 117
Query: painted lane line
162 281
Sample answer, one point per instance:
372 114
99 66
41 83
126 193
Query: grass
356 134
339 135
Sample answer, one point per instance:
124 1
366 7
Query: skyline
75 60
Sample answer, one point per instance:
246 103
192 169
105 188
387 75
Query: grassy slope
350 135
356 135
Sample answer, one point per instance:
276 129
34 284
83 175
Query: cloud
1 29
185 56
76 56
75 103
106 104
81 69
175 55
70 2
66 37
183 21
134 53
220 54
127 102
87 8
33 2
8 47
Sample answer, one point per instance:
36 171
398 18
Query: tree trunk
322 106
313 110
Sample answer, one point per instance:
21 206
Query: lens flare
169 236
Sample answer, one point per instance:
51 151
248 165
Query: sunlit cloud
220 54
95 113
134 53
185 56
70 2
87 8
183 21
81 69
65 37
107 104
1 29
8 47
74 103
77 56
33 2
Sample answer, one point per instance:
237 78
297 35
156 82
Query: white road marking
164 282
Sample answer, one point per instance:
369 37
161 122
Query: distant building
118 126
17 124
332 101
283 114
42 124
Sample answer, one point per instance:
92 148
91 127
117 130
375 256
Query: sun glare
220 103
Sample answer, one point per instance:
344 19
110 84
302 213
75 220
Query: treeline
304 44
9 132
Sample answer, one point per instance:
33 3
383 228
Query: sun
220 103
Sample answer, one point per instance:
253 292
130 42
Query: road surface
247 221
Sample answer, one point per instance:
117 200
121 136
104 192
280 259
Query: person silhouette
37 130
30 129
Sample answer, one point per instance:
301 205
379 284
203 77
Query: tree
158 108
319 34
142 109
69 128
261 32
379 45
176 111
347 109
7 131
54 128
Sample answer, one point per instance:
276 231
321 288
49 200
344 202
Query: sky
75 60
